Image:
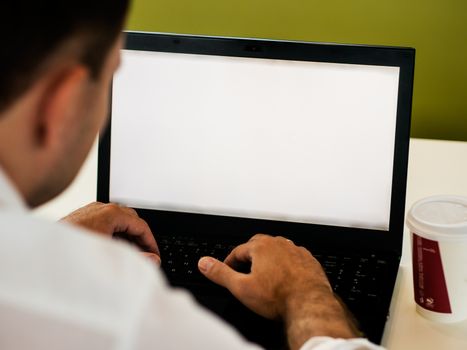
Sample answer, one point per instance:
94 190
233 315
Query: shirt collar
9 195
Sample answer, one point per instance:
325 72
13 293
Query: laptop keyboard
180 257
355 279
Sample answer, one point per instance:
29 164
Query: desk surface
435 167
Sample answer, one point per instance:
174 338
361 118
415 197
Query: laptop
215 139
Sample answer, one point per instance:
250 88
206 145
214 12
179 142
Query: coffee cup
438 226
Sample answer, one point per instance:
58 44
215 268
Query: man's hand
285 282
113 220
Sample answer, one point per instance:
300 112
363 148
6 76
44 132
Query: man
62 286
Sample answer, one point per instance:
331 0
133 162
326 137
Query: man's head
56 62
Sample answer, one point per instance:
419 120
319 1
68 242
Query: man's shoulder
45 262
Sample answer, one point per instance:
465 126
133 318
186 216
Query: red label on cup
428 276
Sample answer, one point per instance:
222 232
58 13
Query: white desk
435 167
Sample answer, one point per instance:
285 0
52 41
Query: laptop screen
276 139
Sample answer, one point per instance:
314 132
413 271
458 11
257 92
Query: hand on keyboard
285 282
117 221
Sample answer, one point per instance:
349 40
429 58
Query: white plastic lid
439 217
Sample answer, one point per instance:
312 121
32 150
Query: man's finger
219 273
139 230
154 258
128 210
258 236
240 254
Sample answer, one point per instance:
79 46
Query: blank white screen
283 140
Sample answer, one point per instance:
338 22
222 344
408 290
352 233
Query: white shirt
62 287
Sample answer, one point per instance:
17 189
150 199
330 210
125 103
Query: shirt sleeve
172 319
328 343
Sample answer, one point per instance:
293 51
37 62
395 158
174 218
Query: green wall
436 28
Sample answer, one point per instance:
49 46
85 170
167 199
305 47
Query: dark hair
33 30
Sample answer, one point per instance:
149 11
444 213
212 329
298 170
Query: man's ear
61 102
